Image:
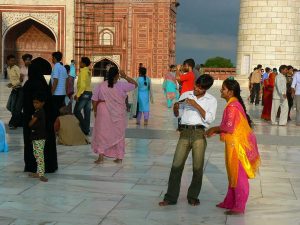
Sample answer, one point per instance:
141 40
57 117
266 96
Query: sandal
166 203
194 202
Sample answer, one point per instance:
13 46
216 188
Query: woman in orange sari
268 94
241 153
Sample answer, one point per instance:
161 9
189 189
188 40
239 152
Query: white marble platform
82 193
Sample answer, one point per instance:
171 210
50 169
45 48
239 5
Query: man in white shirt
296 95
279 98
24 69
197 111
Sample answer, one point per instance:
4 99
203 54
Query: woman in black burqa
35 84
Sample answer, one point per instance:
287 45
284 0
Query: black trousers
58 101
255 93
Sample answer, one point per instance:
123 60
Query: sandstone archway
30 37
101 68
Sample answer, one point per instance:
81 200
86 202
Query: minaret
268 34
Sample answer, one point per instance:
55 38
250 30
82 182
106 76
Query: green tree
218 62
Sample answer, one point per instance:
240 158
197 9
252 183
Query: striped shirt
59 72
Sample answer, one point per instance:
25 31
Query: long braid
112 73
244 107
145 80
234 86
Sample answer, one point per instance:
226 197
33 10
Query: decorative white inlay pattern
115 58
9 19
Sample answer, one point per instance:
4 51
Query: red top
187 82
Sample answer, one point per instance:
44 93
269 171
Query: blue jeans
84 102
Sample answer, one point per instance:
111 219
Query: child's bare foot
100 159
33 175
44 179
118 160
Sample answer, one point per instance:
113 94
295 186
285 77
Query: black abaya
36 84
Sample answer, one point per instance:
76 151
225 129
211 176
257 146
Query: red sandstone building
121 32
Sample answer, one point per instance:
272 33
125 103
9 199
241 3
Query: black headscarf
36 84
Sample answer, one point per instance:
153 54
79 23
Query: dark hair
112 73
274 69
72 61
190 62
259 66
234 86
40 96
67 68
142 73
26 56
290 67
172 66
57 55
267 69
255 68
10 57
86 61
282 67
205 81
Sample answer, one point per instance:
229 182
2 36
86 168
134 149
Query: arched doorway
30 37
47 69
101 68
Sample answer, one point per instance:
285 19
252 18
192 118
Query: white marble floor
109 194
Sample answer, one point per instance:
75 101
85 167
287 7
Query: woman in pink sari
241 153
111 115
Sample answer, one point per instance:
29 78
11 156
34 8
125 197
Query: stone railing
220 73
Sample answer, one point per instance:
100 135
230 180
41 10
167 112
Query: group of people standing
197 109
279 89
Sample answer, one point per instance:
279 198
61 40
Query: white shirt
24 72
296 83
280 87
191 116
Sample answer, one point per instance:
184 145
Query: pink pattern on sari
241 155
110 122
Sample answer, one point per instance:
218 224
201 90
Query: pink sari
111 121
241 153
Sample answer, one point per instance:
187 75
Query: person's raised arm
128 79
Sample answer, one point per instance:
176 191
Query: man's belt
193 127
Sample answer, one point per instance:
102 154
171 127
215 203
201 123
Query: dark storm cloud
207 29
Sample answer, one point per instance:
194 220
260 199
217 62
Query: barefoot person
241 153
110 115
198 111
38 136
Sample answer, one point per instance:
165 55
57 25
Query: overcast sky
207 28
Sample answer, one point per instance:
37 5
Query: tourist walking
198 112
255 85
111 115
58 82
84 95
73 69
36 83
268 96
296 95
170 86
144 96
279 98
15 101
241 153
37 125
